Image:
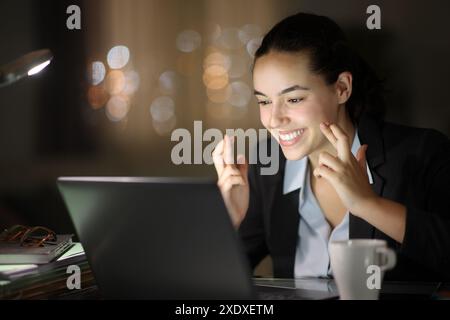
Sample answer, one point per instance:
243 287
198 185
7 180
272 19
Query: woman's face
293 102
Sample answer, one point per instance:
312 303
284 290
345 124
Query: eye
295 100
264 102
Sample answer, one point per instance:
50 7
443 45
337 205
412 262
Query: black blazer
408 165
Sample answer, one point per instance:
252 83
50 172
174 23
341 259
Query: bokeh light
220 95
132 81
218 111
115 82
229 39
188 41
226 65
97 96
215 77
253 45
216 32
249 32
224 111
239 66
169 82
117 108
165 128
162 109
118 57
240 94
218 59
98 72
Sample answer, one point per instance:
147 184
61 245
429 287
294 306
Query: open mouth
289 138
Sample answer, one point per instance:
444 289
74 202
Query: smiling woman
344 172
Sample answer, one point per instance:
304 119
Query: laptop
163 238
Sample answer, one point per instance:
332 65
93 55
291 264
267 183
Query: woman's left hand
347 174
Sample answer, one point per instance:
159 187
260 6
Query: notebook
14 253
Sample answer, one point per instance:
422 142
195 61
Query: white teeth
292 135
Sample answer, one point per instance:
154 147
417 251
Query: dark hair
330 54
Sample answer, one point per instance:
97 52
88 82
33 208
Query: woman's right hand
233 180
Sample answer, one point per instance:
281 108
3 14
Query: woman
344 173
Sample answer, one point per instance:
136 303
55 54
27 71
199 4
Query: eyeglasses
27 236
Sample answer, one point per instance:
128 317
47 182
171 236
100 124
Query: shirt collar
296 170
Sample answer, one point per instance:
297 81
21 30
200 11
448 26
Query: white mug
358 267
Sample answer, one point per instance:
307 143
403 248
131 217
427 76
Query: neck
347 126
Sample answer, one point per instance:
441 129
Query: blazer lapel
369 133
282 217
272 184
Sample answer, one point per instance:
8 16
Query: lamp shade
27 65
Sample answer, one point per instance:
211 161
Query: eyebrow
293 88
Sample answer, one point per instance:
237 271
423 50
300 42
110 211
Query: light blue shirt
314 234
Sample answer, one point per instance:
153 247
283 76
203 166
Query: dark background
47 128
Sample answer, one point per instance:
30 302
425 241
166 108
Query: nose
277 116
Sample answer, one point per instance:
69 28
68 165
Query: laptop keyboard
274 293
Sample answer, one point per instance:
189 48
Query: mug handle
391 258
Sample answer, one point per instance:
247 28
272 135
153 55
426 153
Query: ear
344 87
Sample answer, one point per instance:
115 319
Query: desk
50 283
391 290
